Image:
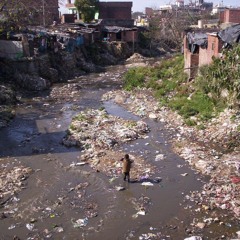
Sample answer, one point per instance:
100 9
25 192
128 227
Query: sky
139 5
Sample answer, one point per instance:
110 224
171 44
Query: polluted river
59 196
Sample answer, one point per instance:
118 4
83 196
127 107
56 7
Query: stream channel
47 208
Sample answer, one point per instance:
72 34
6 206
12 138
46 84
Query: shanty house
200 48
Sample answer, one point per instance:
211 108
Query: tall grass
202 98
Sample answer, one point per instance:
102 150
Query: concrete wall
11 49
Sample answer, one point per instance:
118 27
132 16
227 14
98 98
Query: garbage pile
213 151
97 133
12 181
95 129
65 93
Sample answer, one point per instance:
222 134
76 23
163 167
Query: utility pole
43 6
133 41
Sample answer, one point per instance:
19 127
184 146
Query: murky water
34 139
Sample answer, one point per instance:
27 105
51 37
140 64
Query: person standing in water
126 167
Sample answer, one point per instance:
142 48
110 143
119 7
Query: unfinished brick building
202 55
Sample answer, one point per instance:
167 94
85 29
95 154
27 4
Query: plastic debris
80 223
119 188
235 179
30 227
200 225
12 227
147 184
193 238
77 164
58 229
143 213
159 157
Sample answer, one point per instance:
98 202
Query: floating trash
147 184
30 227
80 223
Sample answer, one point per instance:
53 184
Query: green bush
222 74
133 78
199 104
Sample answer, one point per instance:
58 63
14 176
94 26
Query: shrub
133 78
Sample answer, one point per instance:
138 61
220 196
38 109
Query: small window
213 46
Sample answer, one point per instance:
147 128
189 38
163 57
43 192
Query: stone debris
7 101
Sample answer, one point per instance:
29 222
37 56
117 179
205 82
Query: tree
87 9
166 29
16 14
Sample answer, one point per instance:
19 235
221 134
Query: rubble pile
205 150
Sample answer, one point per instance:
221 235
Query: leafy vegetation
216 87
134 78
87 9
221 79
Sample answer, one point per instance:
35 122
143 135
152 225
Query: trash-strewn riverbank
68 186
202 149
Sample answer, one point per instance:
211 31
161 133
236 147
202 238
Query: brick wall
221 17
213 50
130 36
118 22
115 10
52 10
191 61
231 15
